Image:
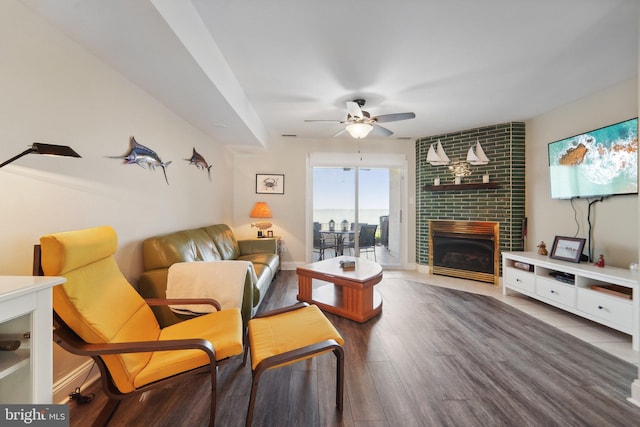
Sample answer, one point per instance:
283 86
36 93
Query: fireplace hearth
465 249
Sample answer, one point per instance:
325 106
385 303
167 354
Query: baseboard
409 267
67 385
635 392
291 265
423 268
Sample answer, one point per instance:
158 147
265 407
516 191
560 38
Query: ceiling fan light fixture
359 130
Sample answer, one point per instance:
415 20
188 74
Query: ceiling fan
359 122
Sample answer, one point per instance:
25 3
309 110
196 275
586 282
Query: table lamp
40 148
261 210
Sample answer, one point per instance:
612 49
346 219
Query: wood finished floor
434 357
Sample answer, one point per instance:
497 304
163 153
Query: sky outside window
333 188
334 194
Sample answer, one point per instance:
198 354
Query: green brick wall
504 146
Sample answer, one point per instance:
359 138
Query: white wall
289 157
615 222
55 92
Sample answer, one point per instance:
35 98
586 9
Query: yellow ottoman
289 335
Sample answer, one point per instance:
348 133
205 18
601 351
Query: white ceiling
248 71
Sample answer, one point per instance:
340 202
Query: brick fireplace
500 202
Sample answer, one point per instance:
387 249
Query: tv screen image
602 162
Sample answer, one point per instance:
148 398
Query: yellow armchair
98 313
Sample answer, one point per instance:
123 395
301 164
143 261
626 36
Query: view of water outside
368 216
334 195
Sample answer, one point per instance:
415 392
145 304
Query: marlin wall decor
144 157
199 161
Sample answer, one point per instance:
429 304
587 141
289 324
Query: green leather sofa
211 243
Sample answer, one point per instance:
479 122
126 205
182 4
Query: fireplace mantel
470 186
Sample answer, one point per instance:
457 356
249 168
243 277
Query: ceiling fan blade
340 132
354 110
330 121
380 131
385 118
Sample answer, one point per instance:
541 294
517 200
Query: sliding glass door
334 211
357 210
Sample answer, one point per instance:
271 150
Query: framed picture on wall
567 248
269 183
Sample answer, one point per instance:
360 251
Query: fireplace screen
463 253
466 249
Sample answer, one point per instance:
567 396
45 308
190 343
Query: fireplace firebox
465 249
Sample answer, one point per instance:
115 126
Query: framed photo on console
567 248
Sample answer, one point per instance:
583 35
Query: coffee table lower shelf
354 304
347 293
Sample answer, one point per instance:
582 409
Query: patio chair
323 241
367 239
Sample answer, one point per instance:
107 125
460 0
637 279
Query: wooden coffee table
349 293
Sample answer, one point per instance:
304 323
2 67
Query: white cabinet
25 314
606 295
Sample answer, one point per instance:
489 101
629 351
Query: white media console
608 295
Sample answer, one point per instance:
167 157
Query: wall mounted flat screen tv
599 163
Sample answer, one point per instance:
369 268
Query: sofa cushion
270 260
224 239
180 246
